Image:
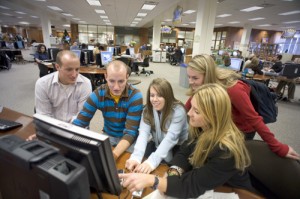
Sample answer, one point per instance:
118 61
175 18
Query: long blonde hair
214 104
205 64
164 89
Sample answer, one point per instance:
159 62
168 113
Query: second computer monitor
236 64
111 49
52 52
77 52
106 57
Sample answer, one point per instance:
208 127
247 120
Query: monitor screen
236 64
131 51
91 150
90 47
77 52
291 70
52 53
86 57
20 44
106 57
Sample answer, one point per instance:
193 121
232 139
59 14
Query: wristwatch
155 184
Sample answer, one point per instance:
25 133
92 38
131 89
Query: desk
262 78
95 74
11 53
28 128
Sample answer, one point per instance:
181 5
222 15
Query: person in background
164 123
97 49
250 57
214 155
121 105
277 66
255 66
41 54
202 70
74 46
61 94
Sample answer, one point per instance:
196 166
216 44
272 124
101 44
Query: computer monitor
90 47
36 170
77 52
291 70
236 64
111 49
131 51
117 50
106 57
86 57
20 44
52 53
90 149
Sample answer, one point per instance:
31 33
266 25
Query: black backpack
263 101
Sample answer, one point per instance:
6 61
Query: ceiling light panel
100 11
137 19
290 13
94 2
224 15
148 6
256 19
189 11
252 9
234 22
3 7
289 22
104 17
24 22
141 14
21 13
67 14
54 8
264 25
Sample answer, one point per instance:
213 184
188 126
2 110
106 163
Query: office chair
43 70
271 175
145 64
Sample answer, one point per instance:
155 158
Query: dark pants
151 148
250 135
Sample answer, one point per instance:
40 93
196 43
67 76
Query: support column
245 40
46 29
156 33
206 14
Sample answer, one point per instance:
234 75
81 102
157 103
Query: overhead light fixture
24 22
184 24
76 19
141 14
82 21
21 13
7 14
108 24
234 22
193 22
189 11
218 24
100 11
290 13
138 19
54 8
135 22
168 20
250 9
106 20
224 15
255 19
94 2
132 24
34 16
289 22
3 7
66 25
263 25
67 14
40 0
147 6
103 17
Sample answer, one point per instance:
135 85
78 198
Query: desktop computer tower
35 170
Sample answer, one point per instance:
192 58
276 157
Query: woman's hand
292 154
143 168
31 137
136 181
131 164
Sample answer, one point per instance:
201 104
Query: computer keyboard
7 124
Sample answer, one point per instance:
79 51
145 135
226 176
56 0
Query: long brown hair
164 89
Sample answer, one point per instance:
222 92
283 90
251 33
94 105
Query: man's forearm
121 148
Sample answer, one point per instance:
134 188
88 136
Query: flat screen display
106 57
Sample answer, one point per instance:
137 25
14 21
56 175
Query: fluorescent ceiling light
24 22
138 19
22 13
290 13
184 24
76 19
255 19
135 22
193 22
251 9
34 16
40 0
132 24
218 24
148 6
233 22
106 20
100 11
103 17
108 24
189 11
67 14
54 8
141 14
288 22
94 2
265 25
224 15
82 21
168 20
6 14
66 25
3 7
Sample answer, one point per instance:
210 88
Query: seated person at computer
277 66
248 61
214 155
61 94
202 70
255 66
74 46
41 54
121 105
164 121
98 48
